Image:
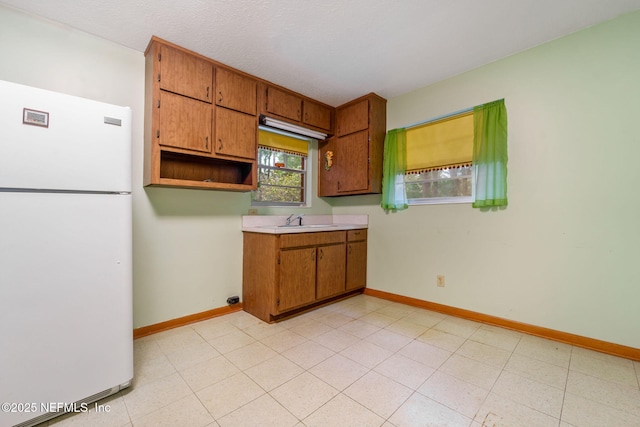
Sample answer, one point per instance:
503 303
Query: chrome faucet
292 218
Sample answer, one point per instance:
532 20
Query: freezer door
77 150
65 297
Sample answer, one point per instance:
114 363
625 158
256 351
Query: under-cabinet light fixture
268 121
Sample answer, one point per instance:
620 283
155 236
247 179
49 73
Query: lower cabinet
330 271
356 259
297 278
287 273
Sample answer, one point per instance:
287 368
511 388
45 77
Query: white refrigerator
65 253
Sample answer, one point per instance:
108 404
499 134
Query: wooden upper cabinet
284 104
183 123
236 91
185 74
317 115
352 159
357 149
235 134
352 118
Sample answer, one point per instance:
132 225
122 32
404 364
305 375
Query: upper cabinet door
352 118
352 157
185 74
235 134
236 91
316 115
284 104
184 123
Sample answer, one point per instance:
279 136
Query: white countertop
276 224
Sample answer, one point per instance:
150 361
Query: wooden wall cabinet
236 92
200 122
316 115
284 104
357 149
180 72
201 126
175 112
284 274
235 134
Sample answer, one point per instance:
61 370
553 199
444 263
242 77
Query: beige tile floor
367 362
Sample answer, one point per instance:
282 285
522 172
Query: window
439 155
457 158
282 170
448 185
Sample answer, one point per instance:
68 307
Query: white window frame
306 173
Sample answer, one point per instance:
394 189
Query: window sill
440 201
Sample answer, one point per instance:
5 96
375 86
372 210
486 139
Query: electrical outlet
253 211
440 281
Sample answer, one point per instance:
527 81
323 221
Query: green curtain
490 154
393 169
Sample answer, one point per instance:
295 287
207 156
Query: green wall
564 253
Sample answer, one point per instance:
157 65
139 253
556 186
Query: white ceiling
337 50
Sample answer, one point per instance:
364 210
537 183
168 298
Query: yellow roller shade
284 143
440 144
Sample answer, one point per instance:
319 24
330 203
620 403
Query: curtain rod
444 116
435 119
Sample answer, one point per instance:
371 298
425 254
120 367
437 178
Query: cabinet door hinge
278 302
159 57
158 133
158 76
278 259
158 106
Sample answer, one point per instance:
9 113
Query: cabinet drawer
312 239
355 235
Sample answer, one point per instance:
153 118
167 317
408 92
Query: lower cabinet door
297 278
356 265
330 270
